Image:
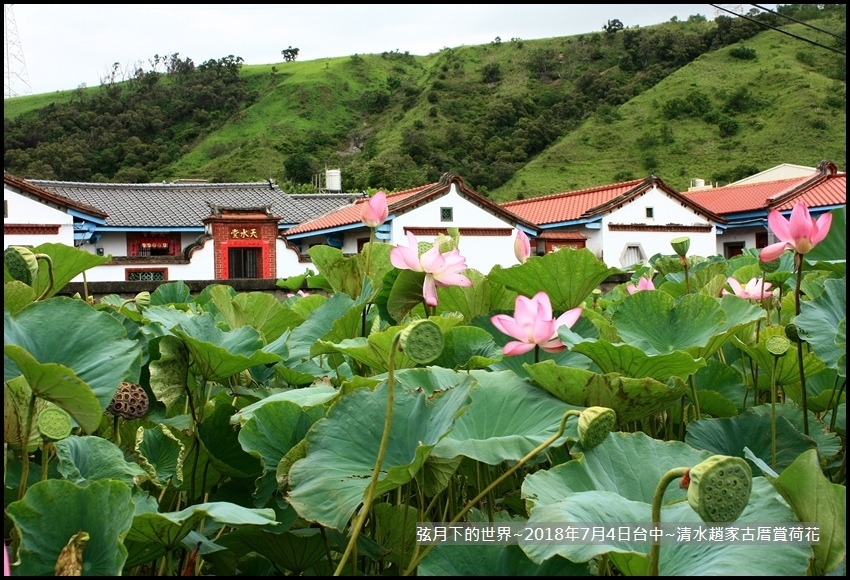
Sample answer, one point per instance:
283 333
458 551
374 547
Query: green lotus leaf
631 398
306 397
161 454
52 511
16 404
468 347
822 323
16 295
567 276
610 467
395 530
484 296
346 273
724 380
427 379
78 368
631 361
831 253
829 444
218 354
787 373
168 529
681 559
265 313
293 550
93 458
221 442
318 324
169 373
822 390
816 499
328 484
177 293
68 263
657 323
506 419
482 560
604 484
437 473
275 428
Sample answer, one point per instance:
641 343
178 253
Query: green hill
697 99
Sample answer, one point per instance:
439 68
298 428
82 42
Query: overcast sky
67 45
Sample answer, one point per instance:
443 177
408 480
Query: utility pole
16 81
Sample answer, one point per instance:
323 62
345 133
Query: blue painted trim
150 229
87 217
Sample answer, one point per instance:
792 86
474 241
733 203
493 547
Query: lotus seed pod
769 267
681 245
22 264
594 424
143 300
777 345
130 401
720 488
422 341
792 334
54 423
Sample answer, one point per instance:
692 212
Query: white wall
22 210
667 211
287 262
481 252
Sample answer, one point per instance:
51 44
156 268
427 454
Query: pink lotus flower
643 284
522 247
752 291
441 269
800 233
374 211
532 325
6 570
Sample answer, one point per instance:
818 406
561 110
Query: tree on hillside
289 54
613 26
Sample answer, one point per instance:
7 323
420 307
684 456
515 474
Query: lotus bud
792 333
22 264
422 341
777 345
768 267
130 401
719 488
681 245
143 299
54 423
594 424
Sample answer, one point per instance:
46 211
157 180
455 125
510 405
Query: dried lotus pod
719 488
54 423
594 424
422 341
130 401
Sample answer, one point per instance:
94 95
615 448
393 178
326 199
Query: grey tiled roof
187 204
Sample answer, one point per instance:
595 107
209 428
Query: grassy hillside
514 118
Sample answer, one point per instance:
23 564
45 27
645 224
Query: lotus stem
382 449
698 415
25 466
657 498
798 262
50 274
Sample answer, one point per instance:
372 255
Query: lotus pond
230 433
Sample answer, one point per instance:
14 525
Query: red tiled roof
403 201
585 203
827 187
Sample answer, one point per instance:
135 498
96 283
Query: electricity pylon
16 81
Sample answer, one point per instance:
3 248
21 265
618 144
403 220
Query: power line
799 22
779 30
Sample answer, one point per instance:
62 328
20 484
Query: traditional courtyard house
192 230
747 203
486 229
33 216
622 224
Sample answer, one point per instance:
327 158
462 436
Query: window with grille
446 214
650 213
243 262
147 275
